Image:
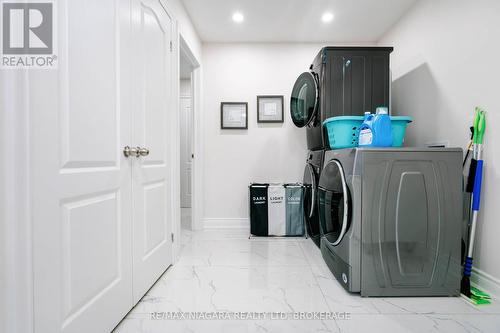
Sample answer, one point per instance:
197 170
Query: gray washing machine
391 219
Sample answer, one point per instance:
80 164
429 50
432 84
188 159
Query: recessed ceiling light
327 17
238 17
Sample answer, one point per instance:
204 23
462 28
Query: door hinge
171 47
172 235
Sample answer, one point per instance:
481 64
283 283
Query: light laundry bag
276 210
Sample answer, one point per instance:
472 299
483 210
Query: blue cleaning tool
479 129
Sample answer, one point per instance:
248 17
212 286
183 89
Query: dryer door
334 203
310 208
310 181
304 100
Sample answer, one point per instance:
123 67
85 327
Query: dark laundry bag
258 209
294 209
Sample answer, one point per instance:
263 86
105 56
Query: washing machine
391 220
310 181
341 81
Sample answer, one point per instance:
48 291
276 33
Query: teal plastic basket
398 125
343 131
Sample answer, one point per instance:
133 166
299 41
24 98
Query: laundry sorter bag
294 196
258 209
276 209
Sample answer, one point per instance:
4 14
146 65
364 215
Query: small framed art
270 109
234 115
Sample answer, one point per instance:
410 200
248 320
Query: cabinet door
152 118
380 80
411 224
355 81
351 85
81 183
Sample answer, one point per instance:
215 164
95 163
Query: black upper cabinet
354 80
350 81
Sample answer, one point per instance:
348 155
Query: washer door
334 203
310 201
304 100
310 181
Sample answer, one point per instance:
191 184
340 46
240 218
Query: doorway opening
187 66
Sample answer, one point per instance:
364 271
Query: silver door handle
130 151
143 151
135 151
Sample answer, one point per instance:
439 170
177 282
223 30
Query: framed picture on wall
234 115
270 109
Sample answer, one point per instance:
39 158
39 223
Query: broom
473 294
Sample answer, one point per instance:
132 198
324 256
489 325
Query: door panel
410 223
186 150
350 94
380 81
79 112
81 182
81 219
154 40
154 198
151 175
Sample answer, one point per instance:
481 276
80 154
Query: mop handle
476 201
476 194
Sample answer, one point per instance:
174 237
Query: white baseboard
226 223
486 282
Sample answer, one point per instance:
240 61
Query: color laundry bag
294 196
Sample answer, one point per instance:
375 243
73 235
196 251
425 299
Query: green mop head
477 297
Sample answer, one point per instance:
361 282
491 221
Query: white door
81 194
152 174
186 150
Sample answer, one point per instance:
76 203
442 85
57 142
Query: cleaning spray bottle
376 130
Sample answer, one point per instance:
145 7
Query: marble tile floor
225 272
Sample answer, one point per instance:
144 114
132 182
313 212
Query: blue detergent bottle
376 130
368 114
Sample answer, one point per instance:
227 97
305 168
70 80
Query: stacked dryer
341 81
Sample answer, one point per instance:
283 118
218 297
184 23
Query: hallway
224 271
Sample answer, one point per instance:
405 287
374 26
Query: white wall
264 152
445 62
186 27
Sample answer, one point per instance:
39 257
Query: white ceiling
295 20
